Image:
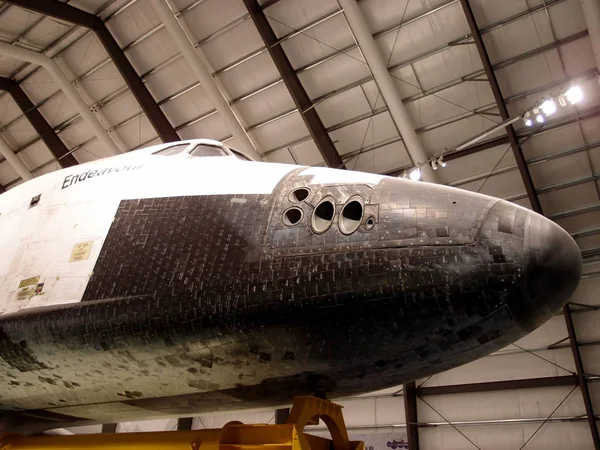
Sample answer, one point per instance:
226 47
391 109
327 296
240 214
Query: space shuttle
186 278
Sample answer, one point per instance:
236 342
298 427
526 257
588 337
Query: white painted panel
19 133
121 109
447 65
364 133
322 40
232 45
487 13
152 51
187 107
518 37
587 323
265 105
8 109
15 20
280 132
452 134
556 171
35 155
587 291
578 56
502 185
334 73
83 55
342 107
549 333
219 420
282 156
286 15
591 356
307 153
137 132
7 173
210 16
39 86
591 129
450 103
133 22
92 151
553 436
514 404
567 18
569 198
102 82
382 159
513 364
381 14
481 163
580 222
434 30
249 76
553 141
530 73
58 109
211 127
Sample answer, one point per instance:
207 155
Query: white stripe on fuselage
37 243
57 242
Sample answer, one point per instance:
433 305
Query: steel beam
109 428
305 106
412 419
184 423
581 378
281 415
62 11
512 135
56 146
528 383
2 189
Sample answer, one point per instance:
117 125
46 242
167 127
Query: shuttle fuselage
153 284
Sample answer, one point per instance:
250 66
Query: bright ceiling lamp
540 118
548 107
415 175
527 119
574 95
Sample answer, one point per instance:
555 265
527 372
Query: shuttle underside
215 302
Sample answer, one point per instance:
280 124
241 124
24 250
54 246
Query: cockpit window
172 150
207 150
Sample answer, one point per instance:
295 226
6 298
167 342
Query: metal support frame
412 419
62 11
581 377
387 88
109 428
301 99
56 146
512 135
202 73
185 423
282 415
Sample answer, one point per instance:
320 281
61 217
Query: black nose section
552 271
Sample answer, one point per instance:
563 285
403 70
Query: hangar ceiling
295 76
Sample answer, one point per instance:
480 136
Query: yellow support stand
233 436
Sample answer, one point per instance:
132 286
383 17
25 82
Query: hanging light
562 101
548 107
540 118
415 175
434 165
441 161
574 95
527 118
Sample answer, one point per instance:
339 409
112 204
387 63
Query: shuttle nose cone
553 268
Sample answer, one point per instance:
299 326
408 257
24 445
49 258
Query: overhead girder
301 99
498 97
62 11
56 146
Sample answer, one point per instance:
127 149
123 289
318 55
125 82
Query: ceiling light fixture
415 175
548 107
574 95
